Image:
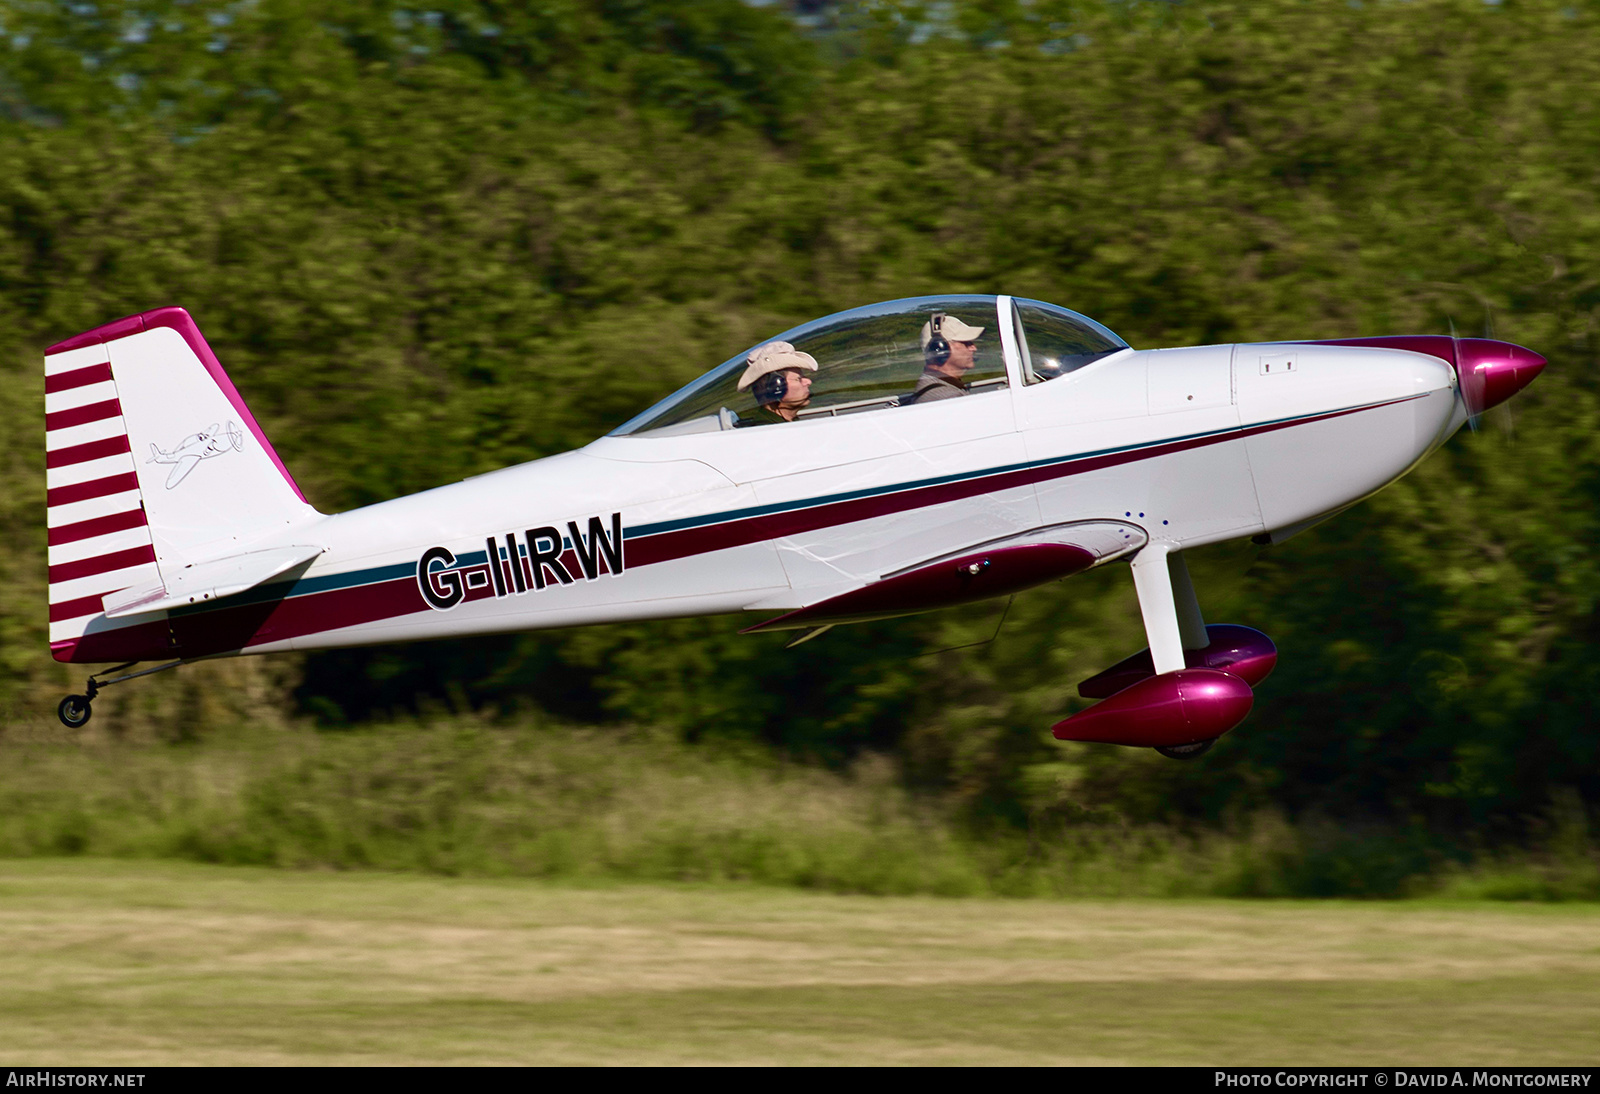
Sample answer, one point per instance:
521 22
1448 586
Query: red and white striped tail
99 539
155 467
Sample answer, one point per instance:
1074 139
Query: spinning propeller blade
1469 382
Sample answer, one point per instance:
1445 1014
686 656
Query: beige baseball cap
953 329
773 357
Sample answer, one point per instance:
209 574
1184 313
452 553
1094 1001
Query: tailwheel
74 711
1186 752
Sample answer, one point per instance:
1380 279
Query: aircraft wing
994 568
205 581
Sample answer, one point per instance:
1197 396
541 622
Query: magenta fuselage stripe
83 453
82 415
241 626
99 526
78 377
139 642
100 564
94 488
246 625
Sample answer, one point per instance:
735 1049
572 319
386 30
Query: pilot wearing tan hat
949 350
776 375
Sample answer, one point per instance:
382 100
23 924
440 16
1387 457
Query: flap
202 581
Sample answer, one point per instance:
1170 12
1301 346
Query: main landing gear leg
1172 622
1155 699
1191 624
1152 579
74 710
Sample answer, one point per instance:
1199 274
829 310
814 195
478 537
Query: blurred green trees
430 242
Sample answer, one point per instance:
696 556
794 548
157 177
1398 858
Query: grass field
116 962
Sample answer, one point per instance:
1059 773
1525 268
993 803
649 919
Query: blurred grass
130 963
465 796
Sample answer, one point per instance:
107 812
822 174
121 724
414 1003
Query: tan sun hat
773 357
953 330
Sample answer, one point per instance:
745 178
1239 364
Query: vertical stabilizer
154 465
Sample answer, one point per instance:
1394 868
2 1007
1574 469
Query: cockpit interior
871 359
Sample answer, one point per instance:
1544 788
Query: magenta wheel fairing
1175 708
1243 651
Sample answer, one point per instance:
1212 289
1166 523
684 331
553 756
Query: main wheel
1186 752
74 711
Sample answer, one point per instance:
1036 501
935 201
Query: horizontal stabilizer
203 581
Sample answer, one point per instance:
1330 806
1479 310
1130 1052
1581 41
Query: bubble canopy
872 358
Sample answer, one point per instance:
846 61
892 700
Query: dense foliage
459 795
427 243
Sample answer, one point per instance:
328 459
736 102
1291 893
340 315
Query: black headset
937 351
770 387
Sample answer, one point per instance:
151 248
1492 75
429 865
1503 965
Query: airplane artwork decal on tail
896 458
187 453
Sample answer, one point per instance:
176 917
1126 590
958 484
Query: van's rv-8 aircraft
816 480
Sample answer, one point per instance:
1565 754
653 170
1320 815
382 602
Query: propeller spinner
1491 372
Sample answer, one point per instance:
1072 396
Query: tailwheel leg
75 710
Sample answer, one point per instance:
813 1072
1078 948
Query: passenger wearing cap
776 375
949 351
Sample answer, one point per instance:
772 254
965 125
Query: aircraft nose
1491 372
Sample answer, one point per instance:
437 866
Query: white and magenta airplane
1047 446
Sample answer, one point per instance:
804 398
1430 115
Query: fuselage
1192 446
